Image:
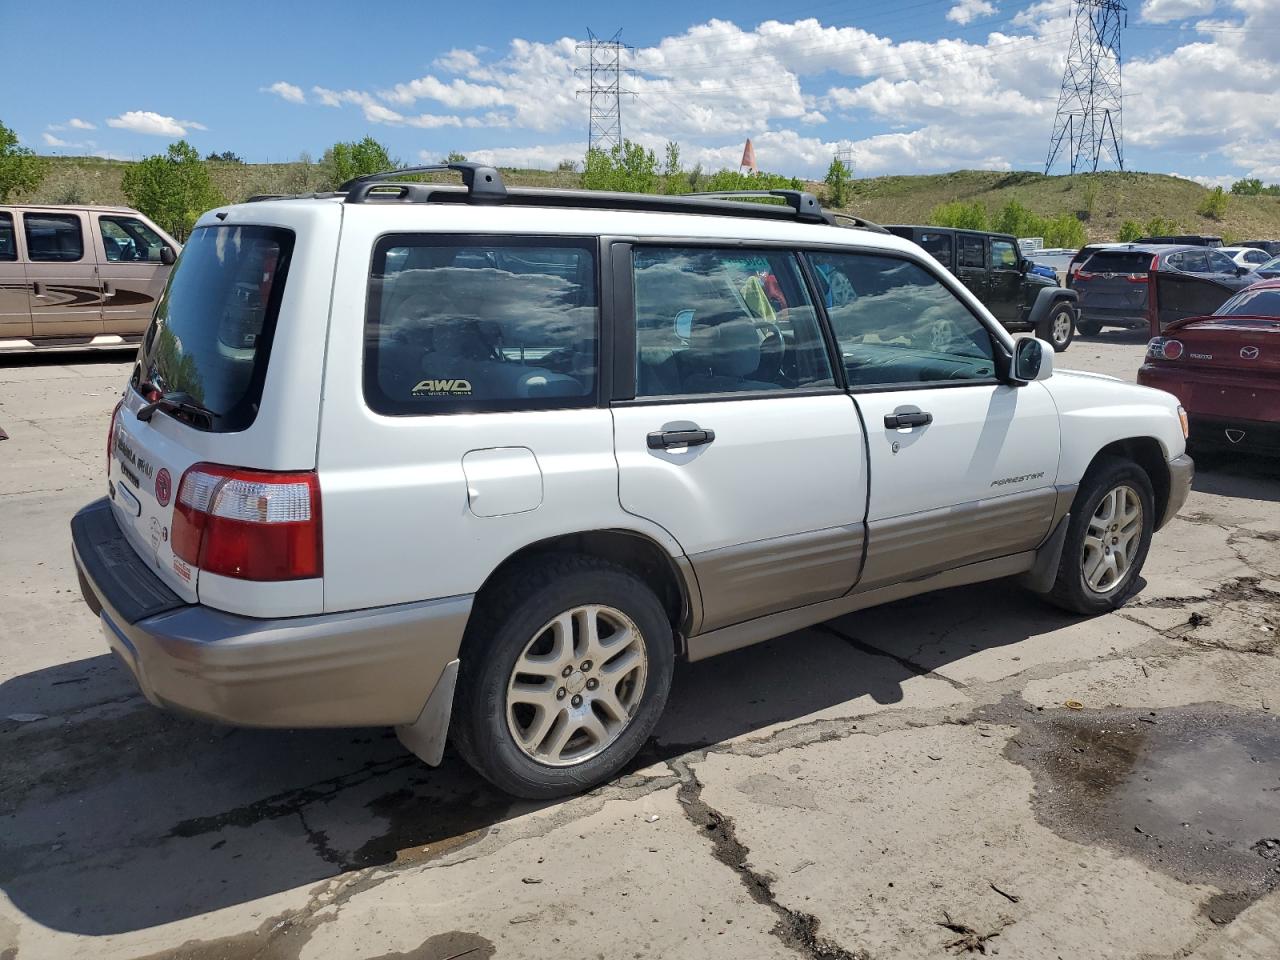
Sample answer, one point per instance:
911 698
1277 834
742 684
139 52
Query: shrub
343 161
837 180
626 167
1130 230
1247 187
1064 230
967 216
1214 206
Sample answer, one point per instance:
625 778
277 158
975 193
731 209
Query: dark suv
1146 286
992 266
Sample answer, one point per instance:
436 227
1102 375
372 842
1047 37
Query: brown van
78 276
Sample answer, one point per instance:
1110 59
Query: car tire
501 710
1105 546
1089 328
1059 327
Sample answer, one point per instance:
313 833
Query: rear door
15 305
131 271
62 274
735 437
971 264
962 465
1192 288
1004 299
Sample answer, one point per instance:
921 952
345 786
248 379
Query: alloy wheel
1111 539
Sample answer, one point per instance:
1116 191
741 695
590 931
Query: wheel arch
1148 454
1046 299
671 578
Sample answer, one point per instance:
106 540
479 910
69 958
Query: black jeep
992 266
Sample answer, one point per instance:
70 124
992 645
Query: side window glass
129 240
901 325
939 246
1003 255
1194 261
53 237
972 253
712 321
464 326
8 242
1221 263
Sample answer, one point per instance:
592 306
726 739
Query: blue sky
911 85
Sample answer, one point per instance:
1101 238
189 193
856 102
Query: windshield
1271 265
1252 303
211 334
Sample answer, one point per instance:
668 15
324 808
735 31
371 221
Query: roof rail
805 204
861 222
483 182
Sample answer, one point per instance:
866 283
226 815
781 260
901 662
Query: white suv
487 462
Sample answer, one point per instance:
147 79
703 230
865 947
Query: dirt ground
961 773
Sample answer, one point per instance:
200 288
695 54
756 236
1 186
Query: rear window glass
473 324
8 243
211 336
1118 262
1252 303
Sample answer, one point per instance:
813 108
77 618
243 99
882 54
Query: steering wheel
772 347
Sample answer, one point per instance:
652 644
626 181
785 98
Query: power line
604 72
1089 119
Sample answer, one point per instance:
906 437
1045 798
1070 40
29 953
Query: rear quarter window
472 324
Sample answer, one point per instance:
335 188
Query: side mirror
684 324
167 256
1032 360
1241 271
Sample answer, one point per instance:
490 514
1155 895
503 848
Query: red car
1225 369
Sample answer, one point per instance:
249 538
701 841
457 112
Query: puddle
1191 791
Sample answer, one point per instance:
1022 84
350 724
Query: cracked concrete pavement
901 782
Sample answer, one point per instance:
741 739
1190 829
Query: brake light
1161 348
1137 278
249 524
111 433
1083 275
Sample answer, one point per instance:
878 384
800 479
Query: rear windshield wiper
177 402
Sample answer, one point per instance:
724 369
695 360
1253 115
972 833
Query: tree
1130 230
226 156
344 161
1016 219
837 180
173 189
1247 187
966 216
20 169
453 157
1064 230
627 167
1214 206
672 171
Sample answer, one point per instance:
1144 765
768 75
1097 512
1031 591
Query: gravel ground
903 782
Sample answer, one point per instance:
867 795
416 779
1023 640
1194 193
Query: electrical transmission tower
604 73
844 153
1089 124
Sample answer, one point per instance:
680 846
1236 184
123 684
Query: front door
62 275
963 466
131 270
15 308
1004 299
738 441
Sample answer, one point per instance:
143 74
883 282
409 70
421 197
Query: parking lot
963 772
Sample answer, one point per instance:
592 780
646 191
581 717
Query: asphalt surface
964 772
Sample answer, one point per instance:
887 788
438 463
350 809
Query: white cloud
458 94
327 97
145 121
967 10
52 141
1224 180
457 61
1165 11
75 123
286 91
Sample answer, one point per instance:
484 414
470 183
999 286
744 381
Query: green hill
1103 201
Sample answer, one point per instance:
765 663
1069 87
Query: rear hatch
1237 345
199 378
1114 283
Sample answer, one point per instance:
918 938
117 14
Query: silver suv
486 463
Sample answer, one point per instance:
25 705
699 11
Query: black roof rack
484 184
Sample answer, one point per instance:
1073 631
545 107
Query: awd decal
442 388
1022 479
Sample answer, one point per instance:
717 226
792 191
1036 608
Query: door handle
662 439
917 419
108 290
37 289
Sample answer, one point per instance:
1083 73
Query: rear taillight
111 433
249 524
1136 277
1162 348
1083 275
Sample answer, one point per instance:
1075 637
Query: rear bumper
1182 470
1254 436
1133 319
373 667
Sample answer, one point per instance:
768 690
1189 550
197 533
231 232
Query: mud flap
425 737
1043 573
